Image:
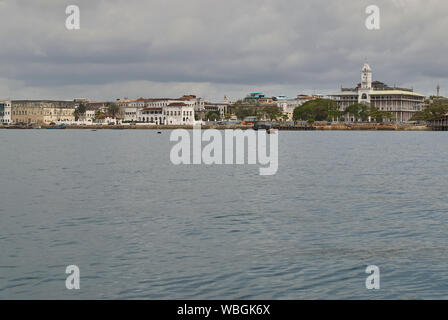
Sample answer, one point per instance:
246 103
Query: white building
153 115
402 103
198 103
128 109
162 111
178 113
87 118
5 112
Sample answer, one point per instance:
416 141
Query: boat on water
61 126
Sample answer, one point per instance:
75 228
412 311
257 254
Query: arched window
364 96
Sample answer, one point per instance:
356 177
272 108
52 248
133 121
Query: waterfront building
128 109
178 113
220 108
166 110
42 111
152 115
5 112
402 103
197 103
87 118
150 110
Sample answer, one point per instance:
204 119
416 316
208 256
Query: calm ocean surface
139 227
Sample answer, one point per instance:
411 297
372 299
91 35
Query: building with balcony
402 103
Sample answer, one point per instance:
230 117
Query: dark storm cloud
222 47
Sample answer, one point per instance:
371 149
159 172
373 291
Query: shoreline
332 127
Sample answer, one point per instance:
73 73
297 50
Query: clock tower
366 84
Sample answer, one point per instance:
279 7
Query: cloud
212 48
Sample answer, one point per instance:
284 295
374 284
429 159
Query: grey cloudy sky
166 48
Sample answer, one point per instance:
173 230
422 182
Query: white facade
128 109
365 91
179 113
402 103
130 113
152 115
87 118
5 112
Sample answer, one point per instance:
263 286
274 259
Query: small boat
61 126
93 130
159 132
37 127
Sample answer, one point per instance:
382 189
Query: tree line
435 109
328 110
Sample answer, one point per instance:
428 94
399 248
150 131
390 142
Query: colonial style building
179 113
402 103
5 112
161 111
152 115
219 108
42 111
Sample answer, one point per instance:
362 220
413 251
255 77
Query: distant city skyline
207 48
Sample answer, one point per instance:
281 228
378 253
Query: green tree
434 110
243 111
80 111
113 109
317 110
379 115
212 116
359 111
271 112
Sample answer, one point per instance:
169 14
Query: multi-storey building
220 108
5 112
402 103
166 110
178 113
128 109
198 103
42 111
152 115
